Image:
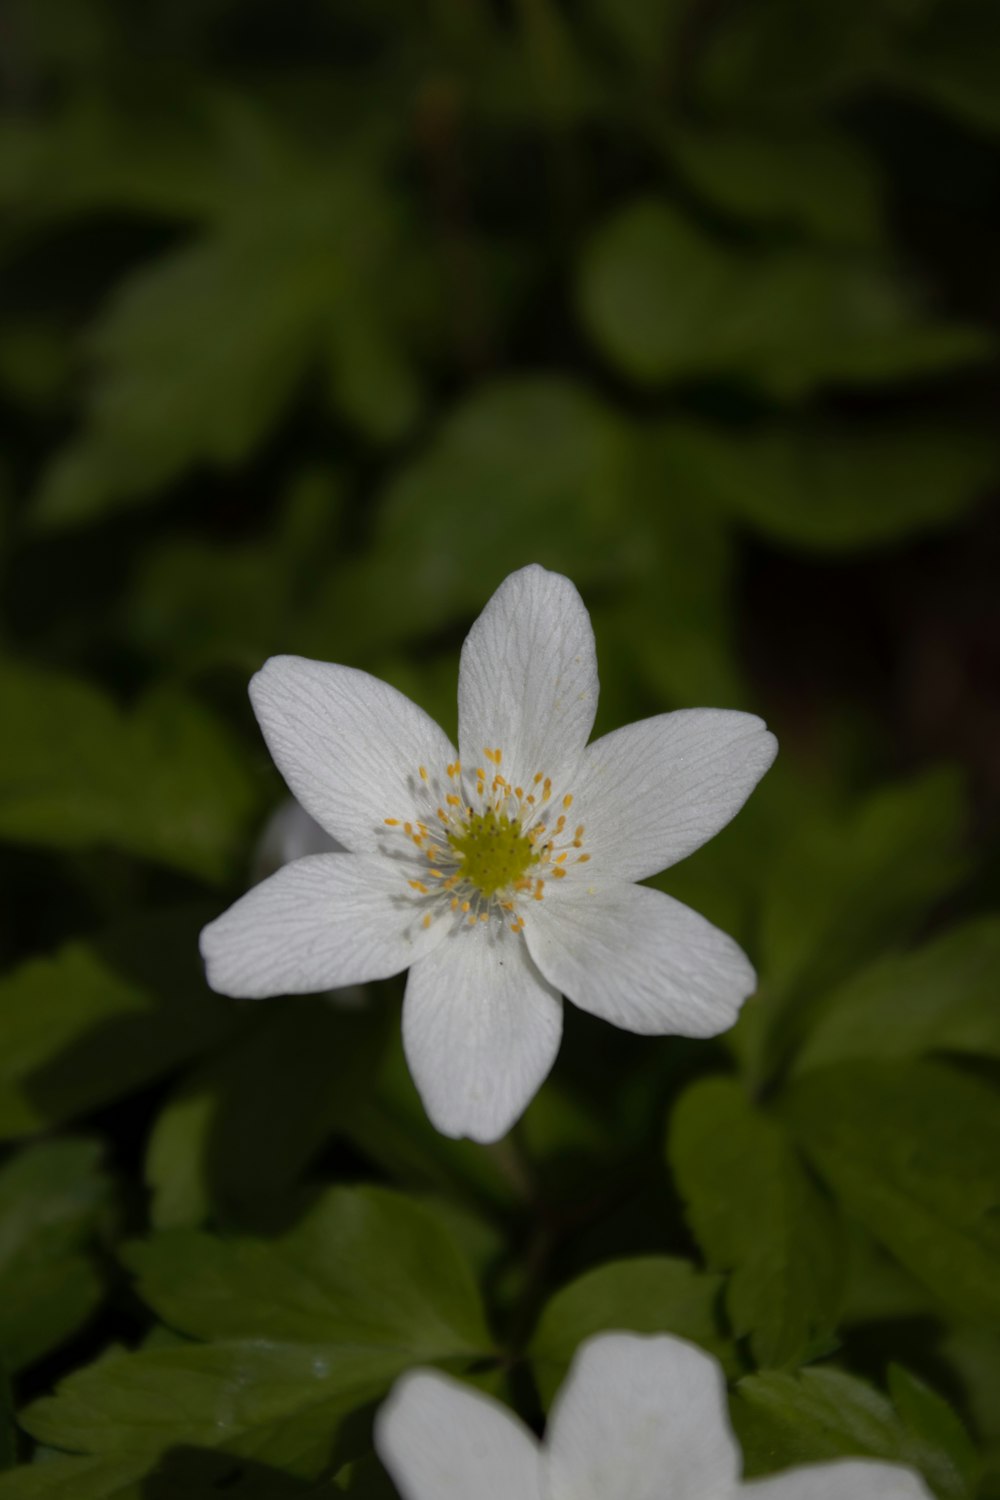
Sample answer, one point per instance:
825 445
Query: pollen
495 848
493 852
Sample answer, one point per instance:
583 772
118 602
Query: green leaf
757 1215
646 32
815 180
847 884
95 1021
913 1151
950 1460
373 382
650 1294
169 396
187 155
51 1199
185 1473
276 1402
184 376
301 1332
77 1479
674 623
524 470
207 604
973 1354
366 1266
165 782
878 1288
820 1415
832 486
952 61
246 1124
665 302
785 59
937 998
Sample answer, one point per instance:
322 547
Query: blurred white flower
502 874
637 1418
290 833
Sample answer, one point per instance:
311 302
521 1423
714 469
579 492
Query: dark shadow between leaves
203 1474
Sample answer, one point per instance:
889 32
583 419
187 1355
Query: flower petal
440 1440
641 1418
653 792
481 1029
348 745
845 1480
317 924
639 959
527 681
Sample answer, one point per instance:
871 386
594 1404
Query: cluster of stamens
488 848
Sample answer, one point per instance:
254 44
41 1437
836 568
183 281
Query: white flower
500 874
637 1418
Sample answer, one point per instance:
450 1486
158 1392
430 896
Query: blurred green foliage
315 322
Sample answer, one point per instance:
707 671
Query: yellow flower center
486 847
493 851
